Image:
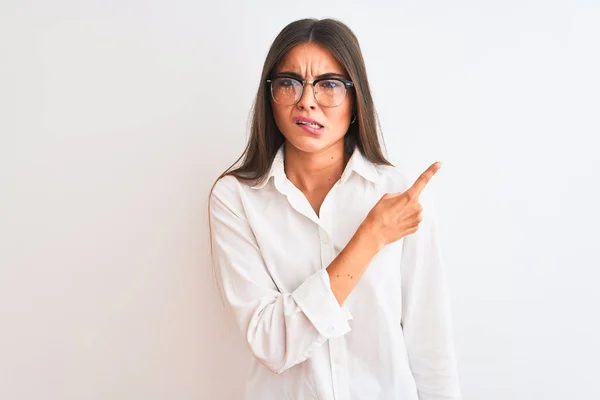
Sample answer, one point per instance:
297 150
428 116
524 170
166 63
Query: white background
116 117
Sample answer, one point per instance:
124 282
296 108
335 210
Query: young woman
324 253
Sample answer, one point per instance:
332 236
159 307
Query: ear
354 107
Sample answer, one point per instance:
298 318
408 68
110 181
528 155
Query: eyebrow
292 74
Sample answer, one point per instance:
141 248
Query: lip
305 119
308 128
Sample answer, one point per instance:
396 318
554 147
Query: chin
308 144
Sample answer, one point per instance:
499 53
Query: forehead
310 59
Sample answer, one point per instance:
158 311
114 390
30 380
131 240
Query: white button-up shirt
391 339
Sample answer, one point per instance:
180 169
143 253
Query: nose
307 101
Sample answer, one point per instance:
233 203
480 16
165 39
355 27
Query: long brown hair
265 138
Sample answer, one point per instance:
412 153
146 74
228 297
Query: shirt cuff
316 300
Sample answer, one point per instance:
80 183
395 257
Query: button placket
325 228
337 346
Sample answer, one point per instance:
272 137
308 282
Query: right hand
399 214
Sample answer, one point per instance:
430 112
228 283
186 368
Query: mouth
315 125
309 125
315 129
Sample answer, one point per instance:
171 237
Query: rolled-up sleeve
282 329
426 313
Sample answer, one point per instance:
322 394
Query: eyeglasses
328 92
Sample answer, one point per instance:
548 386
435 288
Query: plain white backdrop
117 116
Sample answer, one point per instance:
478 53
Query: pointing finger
424 179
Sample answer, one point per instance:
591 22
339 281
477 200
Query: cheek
278 115
340 116
344 111
283 120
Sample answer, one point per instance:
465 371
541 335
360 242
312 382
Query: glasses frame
347 84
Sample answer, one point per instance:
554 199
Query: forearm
348 267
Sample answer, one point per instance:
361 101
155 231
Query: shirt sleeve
426 314
282 329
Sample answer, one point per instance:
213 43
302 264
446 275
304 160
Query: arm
426 314
282 329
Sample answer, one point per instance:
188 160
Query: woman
325 254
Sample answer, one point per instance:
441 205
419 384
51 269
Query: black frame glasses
302 83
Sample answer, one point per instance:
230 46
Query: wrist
369 237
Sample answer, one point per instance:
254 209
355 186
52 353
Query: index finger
424 179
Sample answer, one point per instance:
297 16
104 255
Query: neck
315 171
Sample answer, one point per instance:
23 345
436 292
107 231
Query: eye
330 84
286 82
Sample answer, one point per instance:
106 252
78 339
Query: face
311 61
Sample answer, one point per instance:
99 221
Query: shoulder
235 191
226 196
393 179
225 188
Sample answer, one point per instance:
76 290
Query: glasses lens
330 93
286 91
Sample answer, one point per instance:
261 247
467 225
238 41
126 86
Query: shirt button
325 239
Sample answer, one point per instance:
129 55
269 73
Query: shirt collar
357 163
277 169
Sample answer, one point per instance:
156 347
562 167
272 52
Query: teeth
309 124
